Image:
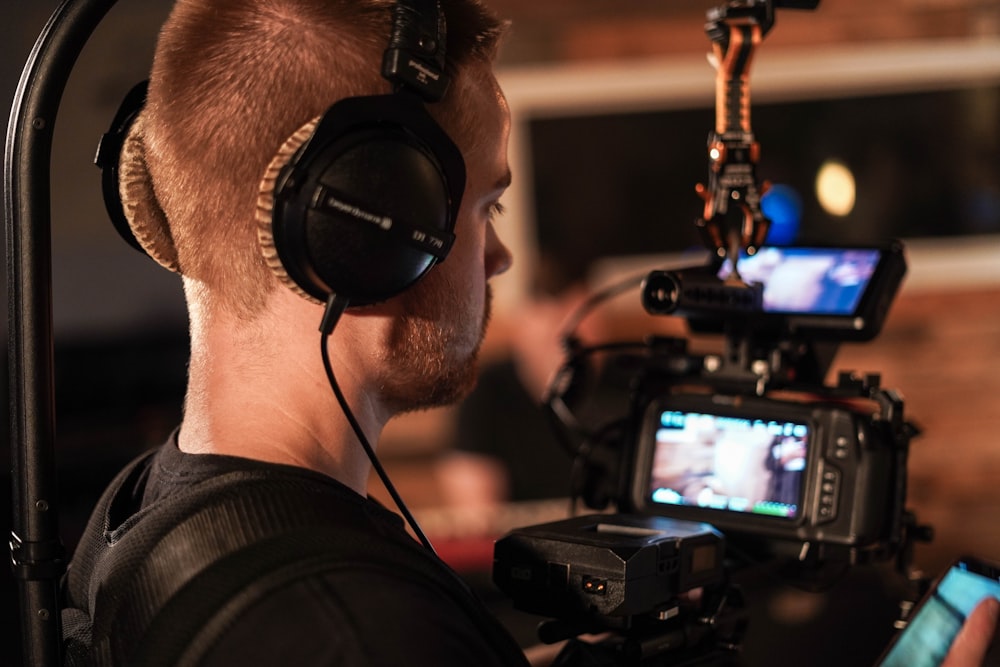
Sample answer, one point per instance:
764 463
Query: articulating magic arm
732 220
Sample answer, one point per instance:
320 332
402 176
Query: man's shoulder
340 594
380 613
284 564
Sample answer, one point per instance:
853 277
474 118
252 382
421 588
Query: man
231 80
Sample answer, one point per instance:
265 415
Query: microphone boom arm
732 220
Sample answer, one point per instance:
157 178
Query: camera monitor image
732 464
814 281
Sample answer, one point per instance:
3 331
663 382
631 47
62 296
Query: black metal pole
37 554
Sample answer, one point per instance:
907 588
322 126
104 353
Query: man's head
232 79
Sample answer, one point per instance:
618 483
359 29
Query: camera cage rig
765 354
775 362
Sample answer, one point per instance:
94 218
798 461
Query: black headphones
368 203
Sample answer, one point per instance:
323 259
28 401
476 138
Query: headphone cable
335 307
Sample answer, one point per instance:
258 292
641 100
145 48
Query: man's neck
264 395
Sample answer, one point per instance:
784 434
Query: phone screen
928 636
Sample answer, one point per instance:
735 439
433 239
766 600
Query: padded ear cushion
141 209
265 204
366 205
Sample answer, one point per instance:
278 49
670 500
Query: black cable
567 377
596 299
576 356
613 290
335 307
564 379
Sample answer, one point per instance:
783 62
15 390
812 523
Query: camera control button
841 447
829 492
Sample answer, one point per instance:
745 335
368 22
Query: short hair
231 80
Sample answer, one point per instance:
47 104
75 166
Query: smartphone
935 621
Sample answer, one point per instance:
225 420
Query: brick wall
941 350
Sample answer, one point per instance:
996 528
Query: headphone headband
415 57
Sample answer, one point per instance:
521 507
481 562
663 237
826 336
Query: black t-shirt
378 609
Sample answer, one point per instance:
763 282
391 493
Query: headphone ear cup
140 207
366 205
127 186
265 205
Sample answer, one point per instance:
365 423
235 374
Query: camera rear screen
813 281
733 464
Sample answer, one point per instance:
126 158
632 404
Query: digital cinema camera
725 459
730 459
